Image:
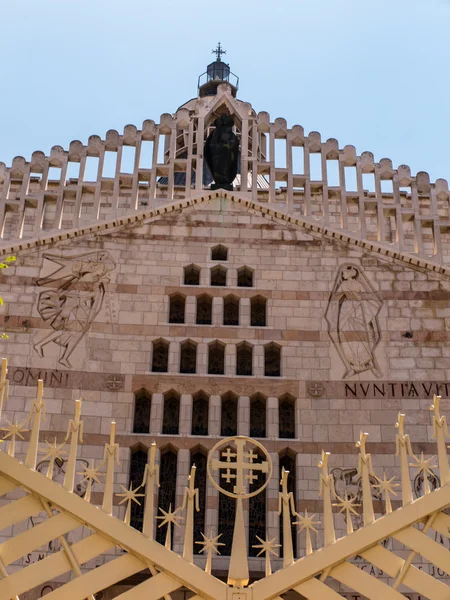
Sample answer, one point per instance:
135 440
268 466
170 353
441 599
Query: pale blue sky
372 74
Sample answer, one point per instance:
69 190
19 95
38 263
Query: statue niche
221 153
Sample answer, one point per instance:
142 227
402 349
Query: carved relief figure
352 321
74 299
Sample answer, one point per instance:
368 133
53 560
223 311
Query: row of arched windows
216 358
257 505
228 419
231 310
218 276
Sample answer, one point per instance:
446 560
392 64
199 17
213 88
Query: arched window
171 414
227 514
219 276
272 360
177 304
160 356
219 253
286 417
257 510
204 310
192 275
167 489
244 359
229 413
258 316
142 407
216 358
200 413
231 310
198 458
245 277
188 357
257 416
138 460
287 460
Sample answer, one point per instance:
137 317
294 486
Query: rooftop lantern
216 73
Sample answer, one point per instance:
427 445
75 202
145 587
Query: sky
371 74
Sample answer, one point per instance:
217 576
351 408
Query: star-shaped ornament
89 474
347 504
387 486
53 452
210 544
268 547
307 523
167 518
14 430
424 468
130 496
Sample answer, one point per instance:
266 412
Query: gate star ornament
53 452
210 544
267 546
307 523
130 496
347 504
387 486
14 430
90 474
424 468
167 518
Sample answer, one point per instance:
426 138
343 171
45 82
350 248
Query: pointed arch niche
200 414
168 486
229 415
171 413
286 417
258 416
204 310
138 460
142 409
199 458
188 357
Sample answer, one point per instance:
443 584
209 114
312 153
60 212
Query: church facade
302 307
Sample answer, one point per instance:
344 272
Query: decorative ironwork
188 357
288 463
191 275
231 310
219 252
257 416
258 312
219 276
142 408
167 490
137 468
200 412
256 510
171 416
216 358
204 310
245 277
244 359
272 360
177 309
228 421
160 357
286 417
199 460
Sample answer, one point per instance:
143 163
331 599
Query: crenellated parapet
297 173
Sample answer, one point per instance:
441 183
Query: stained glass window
257 510
245 277
160 358
200 411
231 310
219 276
191 275
286 417
142 407
227 513
204 310
188 357
229 412
272 360
258 311
219 253
138 460
288 462
257 416
244 359
199 460
176 308
171 415
167 489
216 358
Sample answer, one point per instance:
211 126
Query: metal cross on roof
219 51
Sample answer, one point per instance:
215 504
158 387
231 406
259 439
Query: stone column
205 277
272 418
156 414
202 358
243 415
190 310
174 357
258 361
230 359
183 468
231 277
215 406
244 312
186 414
272 518
217 311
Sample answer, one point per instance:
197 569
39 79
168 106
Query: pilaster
190 310
156 414
217 311
244 312
243 415
174 357
202 358
185 414
258 361
230 359
272 416
215 403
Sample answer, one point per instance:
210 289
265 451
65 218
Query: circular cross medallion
236 459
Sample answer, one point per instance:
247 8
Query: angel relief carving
74 297
351 315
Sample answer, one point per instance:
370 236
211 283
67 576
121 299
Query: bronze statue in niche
221 153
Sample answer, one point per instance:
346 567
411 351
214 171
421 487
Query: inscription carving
76 294
394 389
351 315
